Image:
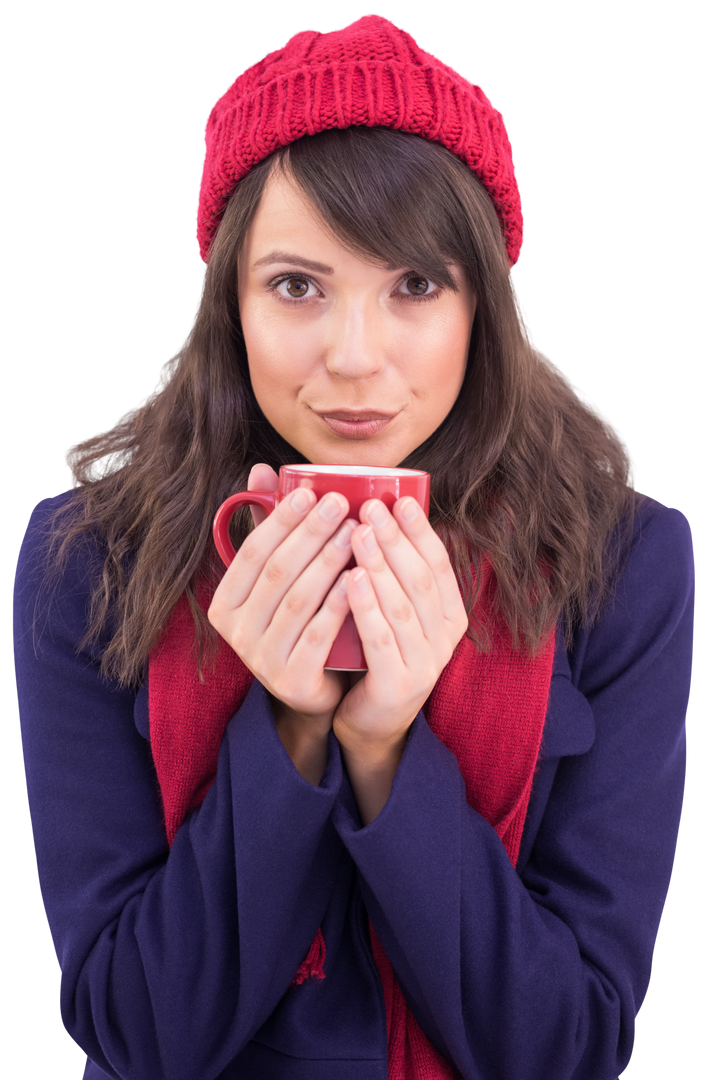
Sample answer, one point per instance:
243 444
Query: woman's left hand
409 613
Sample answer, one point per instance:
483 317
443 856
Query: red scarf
488 709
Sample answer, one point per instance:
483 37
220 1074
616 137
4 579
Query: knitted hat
369 74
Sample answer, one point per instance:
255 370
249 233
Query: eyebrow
294 260
278 256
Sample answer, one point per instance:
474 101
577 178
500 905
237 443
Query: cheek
261 353
276 348
447 351
278 366
260 337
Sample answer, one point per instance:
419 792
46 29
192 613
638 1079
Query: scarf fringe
312 966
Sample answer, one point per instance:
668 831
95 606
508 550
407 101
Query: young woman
454 865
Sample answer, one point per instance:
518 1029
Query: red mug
357 483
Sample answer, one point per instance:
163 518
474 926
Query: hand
280 606
410 616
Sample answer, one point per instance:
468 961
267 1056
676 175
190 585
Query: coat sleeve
538 975
171 959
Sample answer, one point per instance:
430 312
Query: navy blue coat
177 963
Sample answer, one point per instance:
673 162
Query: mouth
356 423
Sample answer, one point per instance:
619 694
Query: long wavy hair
523 475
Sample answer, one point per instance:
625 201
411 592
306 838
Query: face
351 362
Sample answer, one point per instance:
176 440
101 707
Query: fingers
299 679
294 614
418 560
412 603
274 554
314 643
288 651
386 616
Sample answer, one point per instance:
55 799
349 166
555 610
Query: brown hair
521 470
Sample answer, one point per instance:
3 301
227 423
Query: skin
357 340
349 337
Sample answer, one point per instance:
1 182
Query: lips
356 423
355 415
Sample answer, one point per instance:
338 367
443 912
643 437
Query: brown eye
417 286
296 286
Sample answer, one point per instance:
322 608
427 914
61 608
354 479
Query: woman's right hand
280 607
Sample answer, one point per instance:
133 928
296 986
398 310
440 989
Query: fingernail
343 582
369 540
360 581
344 536
377 514
409 510
300 500
329 508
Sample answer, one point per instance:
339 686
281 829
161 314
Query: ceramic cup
357 484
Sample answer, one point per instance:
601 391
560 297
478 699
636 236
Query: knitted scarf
488 708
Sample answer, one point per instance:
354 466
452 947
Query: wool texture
487 708
370 74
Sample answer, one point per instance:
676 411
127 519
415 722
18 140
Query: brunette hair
523 475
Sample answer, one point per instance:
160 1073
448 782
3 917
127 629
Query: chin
357 453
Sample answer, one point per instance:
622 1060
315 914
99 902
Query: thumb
261 478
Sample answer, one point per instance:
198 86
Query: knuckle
294 602
403 611
238 640
440 564
274 572
392 534
249 551
314 525
283 513
381 640
313 636
423 582
331 556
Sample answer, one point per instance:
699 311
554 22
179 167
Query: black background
106 134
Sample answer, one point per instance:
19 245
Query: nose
357 349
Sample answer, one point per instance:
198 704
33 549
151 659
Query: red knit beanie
370 74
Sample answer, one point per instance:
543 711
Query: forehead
349 236
285 211
287 228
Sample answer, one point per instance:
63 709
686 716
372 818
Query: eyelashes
272 287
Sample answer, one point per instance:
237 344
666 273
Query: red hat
370 74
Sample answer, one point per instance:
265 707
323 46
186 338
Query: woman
456 864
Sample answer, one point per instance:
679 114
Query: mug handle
222 519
